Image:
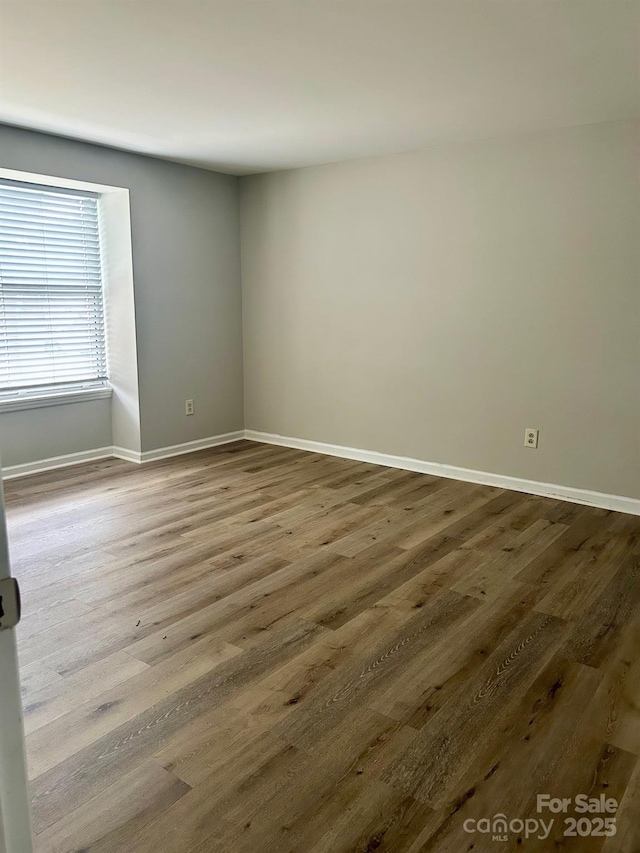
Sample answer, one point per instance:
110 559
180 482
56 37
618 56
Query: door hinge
9 603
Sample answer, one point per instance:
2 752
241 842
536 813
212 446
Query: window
52 331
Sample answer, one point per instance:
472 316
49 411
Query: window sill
82 395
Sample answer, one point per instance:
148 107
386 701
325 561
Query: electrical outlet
188 407
530 437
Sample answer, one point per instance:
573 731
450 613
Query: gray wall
430 304
436 303
35 434
185 232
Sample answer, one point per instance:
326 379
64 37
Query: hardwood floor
260 649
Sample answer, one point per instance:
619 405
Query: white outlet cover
530 437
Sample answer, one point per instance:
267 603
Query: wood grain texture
256 648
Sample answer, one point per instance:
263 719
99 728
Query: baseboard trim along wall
40 465
484 478
178 449
618 503
37 467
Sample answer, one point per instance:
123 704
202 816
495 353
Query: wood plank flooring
260 649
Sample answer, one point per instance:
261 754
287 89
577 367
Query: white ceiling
251 86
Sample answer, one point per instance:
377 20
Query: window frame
82 391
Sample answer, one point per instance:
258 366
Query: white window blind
51 302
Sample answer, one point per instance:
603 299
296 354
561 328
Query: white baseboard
484 478
40 465
191 446
37 467
127 455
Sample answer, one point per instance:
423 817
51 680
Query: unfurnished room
319 426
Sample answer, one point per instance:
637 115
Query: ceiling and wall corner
245 87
